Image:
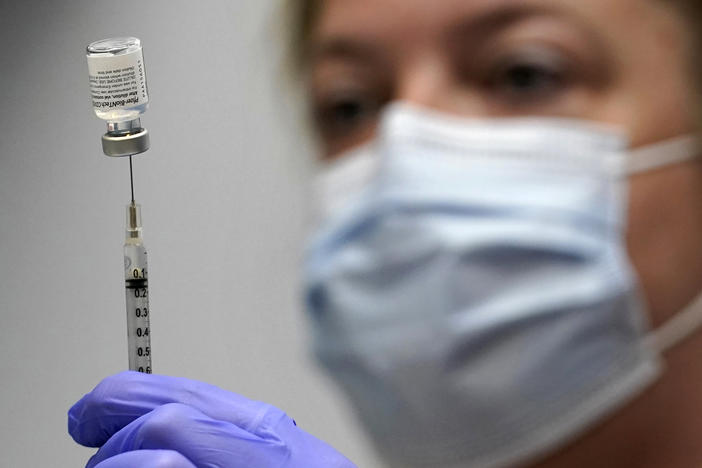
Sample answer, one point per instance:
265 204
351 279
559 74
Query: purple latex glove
157 421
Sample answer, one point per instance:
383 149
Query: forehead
385 17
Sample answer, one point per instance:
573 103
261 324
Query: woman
508 246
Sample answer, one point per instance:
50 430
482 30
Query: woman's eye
528 80
340 116
347 112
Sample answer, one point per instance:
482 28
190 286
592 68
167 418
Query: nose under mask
469 286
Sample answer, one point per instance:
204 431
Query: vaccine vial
117 79
119 93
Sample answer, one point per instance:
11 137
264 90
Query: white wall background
223 199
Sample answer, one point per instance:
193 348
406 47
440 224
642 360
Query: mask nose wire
666 153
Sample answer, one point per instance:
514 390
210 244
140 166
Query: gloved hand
157 421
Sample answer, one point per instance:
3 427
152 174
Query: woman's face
623 62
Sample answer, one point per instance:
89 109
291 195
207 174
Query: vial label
117 81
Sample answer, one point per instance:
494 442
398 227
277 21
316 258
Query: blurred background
223 191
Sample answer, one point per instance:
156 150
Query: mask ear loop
677 329
676 150
666 153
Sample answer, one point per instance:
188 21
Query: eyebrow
344 47
494 18
500 17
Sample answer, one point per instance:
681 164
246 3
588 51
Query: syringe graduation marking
136 283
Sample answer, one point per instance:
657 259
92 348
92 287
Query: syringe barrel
136 282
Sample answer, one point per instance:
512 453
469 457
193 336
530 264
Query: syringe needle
131 177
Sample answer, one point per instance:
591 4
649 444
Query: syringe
136 282
120 96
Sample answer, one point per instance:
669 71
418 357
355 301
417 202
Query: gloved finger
120 399
147 459
202 440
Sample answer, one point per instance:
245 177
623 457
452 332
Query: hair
692 11
302 16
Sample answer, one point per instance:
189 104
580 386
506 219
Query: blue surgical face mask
470 289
